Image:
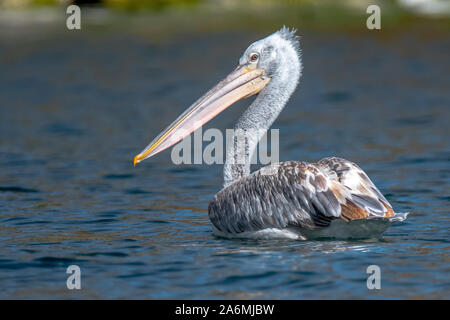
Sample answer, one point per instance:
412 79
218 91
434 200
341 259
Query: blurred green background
215 15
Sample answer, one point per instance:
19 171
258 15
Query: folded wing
297 194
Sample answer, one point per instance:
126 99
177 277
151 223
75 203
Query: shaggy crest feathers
291 36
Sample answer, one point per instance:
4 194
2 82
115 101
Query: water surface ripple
75 110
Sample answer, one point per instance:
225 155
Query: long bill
243 82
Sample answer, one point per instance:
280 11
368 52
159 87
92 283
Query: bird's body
288 199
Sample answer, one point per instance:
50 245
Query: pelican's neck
257 119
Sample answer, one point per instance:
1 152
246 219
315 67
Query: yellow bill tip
136 160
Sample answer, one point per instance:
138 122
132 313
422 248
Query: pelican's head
277 54
267 60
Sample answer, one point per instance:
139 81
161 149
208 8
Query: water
76 107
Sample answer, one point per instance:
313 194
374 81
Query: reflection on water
74 110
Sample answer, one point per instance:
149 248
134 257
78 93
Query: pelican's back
290 195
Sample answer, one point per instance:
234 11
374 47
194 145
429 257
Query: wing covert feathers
297 194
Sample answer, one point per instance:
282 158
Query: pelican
293 199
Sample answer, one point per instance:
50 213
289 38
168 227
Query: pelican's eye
254 57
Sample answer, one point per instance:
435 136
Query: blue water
76 107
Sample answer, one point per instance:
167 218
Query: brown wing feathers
358 196
298 194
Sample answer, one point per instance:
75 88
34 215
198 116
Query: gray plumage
291 195
287 195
